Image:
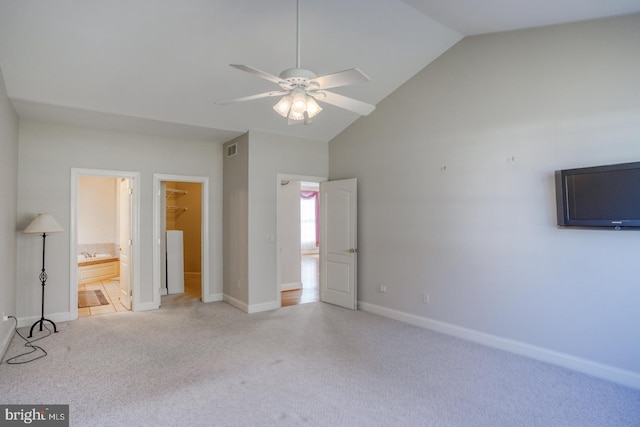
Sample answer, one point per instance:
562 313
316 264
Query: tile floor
110 289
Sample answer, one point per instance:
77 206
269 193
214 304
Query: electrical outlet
4 317
382 289
425 298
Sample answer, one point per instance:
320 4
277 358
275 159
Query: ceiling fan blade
341 101
259 73
341 78
252 97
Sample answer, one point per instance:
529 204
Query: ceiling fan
301 88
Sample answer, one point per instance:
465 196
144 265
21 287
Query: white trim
206 291
585 366
146 306
76 173
279 178
265 306
250 309
54 317
213 298
236 303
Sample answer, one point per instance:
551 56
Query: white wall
97 216
456 194
270 155
47 152
8 209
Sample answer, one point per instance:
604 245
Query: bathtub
82 259
98 267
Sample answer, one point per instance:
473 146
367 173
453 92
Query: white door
126 217
338 250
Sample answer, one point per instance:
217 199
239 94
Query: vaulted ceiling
161 65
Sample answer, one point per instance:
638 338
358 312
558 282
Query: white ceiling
159 66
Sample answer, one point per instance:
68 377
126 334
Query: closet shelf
176 208
174 192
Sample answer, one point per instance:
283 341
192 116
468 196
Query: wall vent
232 150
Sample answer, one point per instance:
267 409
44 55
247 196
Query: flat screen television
599 196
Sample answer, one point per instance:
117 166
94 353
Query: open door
338 243
126 243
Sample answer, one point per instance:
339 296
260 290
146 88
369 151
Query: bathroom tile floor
110 289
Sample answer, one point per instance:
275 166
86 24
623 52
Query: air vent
232 150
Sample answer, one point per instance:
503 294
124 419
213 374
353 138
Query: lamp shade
312 107
283 106
43 223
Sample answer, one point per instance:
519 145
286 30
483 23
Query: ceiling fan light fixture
283 106
312 107
296 115
299 101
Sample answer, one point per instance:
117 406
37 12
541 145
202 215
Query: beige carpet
307 365
91 299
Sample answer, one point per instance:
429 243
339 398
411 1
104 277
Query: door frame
76 173
125 193
279 178
205 290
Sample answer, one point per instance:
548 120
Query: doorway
181 262
182 278
104 276
298 239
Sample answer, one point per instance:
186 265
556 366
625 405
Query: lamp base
41 322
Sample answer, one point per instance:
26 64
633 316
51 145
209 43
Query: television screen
601 196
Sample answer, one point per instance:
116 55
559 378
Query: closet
183 237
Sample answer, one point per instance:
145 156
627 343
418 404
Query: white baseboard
589 367
212 298
250 309
68 316
54 317
291 286
145 306
236 303
267 306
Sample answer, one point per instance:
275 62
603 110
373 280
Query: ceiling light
296 115
312 107
283 106
297 105
299 101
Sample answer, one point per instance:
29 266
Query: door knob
352 250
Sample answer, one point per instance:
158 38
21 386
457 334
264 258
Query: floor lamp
43 224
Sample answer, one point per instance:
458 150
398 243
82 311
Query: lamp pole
43 282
